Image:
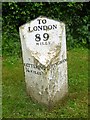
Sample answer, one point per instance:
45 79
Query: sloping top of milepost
43 38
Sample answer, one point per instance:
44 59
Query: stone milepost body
43 43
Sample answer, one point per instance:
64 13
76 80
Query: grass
17 104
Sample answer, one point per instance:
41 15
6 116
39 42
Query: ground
17 104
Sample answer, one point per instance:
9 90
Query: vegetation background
76 16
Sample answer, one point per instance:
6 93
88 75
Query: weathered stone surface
45 61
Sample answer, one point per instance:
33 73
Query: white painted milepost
43 43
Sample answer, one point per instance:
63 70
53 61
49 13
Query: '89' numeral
45 37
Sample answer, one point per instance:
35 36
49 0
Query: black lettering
39 28
29 29
37 43
45 36
39 21
37 37
44 21
27 69
35 28
50 27
54 26
44 27
27 65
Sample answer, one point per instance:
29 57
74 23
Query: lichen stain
56 57
22 27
